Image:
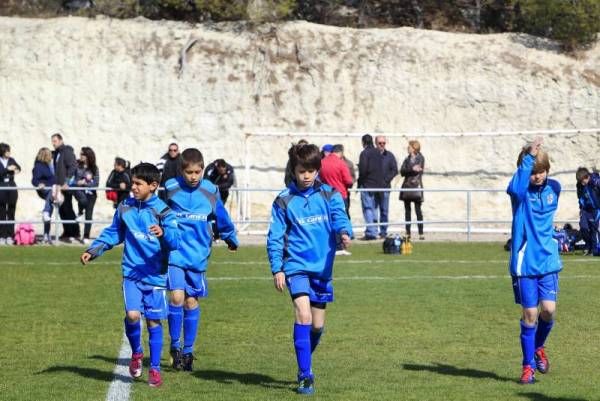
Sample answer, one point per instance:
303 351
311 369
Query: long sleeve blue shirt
302 234
533 250
145 255
196 208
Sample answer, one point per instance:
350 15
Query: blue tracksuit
145 255
533 252
589 196
302 235
196 209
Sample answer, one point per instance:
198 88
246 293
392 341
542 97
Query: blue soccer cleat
528 375
306 385
541 360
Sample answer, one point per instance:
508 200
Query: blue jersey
302 234
533 250
145 255
196 209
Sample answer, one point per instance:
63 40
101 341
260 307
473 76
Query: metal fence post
468 215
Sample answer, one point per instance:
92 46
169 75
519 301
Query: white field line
120 387
399 260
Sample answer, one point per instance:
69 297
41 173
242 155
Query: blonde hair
542 161
44 155
415 145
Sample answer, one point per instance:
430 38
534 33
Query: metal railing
240 208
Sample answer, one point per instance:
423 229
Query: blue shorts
530 291
145 298
192 282
318 291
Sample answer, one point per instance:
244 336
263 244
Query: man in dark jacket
169 166
370 175
390 170
65 164
221 174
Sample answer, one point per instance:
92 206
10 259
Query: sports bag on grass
25 234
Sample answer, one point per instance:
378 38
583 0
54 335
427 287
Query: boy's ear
154 185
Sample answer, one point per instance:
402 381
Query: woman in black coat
8 198
412 171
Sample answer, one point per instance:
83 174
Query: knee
530 316
548 313
177 298
191 303
133 316
304 317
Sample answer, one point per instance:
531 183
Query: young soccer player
149 230
197 204
301 245
534 258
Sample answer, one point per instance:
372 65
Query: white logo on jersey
143 236
193 216
550 199
312 219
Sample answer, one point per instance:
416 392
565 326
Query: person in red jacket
335 172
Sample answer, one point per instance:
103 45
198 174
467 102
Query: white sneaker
10 241
342 252
2 241
80 218
86 241
46 216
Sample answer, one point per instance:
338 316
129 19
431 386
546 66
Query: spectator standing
169 166
412 171
370 175
42 177
120 181
390 170
222 175
65 165
588 193
326 150
335 173
87 175
340 148
8 198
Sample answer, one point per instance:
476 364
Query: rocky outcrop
128 88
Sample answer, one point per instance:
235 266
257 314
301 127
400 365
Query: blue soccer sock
302 347
543 329
133 331
528 343
191 320
175 321
315 338
155 341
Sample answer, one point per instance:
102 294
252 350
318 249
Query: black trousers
89 214
65 211
8 205
407 213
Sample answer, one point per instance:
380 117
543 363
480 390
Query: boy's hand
156 230
123 186
345 240
535 146
85 258
231 245
279 281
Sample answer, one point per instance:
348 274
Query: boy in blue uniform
301 245
149 230
197 205
588 193
534 258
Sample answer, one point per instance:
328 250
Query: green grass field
439 324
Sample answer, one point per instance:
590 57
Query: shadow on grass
89 373
450 370
543 397
251 379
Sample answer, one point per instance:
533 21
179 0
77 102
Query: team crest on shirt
550 199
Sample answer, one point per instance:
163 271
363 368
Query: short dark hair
220 163
146 172
57 135
191 156
367 140
4 147
307 156
338 148
119 161
581 173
